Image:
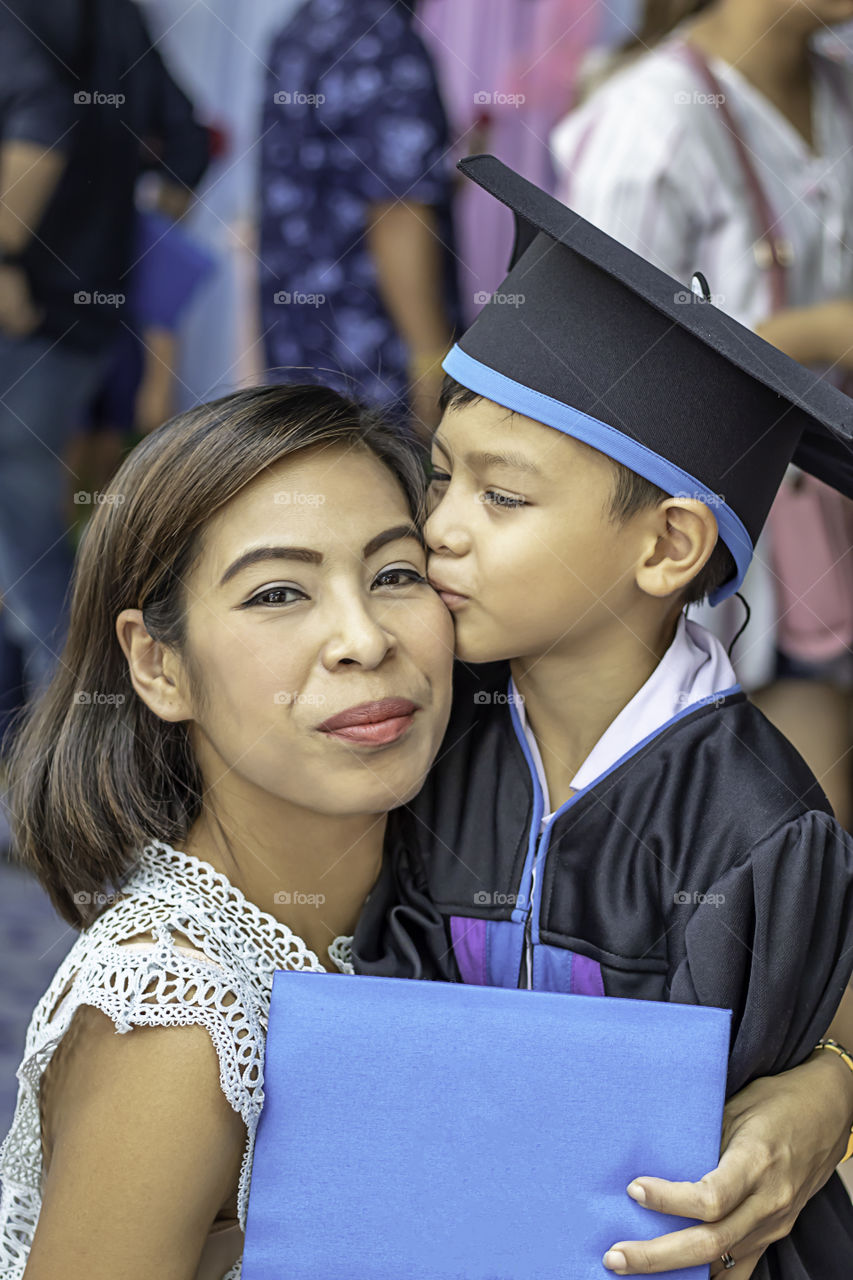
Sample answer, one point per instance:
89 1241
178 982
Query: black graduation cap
586 336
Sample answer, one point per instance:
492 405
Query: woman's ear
686 533
156 672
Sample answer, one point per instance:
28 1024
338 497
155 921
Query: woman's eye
495 499
398 577
437 476
266 597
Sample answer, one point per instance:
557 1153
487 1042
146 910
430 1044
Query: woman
729 149
256 672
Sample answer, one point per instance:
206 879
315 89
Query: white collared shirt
694 667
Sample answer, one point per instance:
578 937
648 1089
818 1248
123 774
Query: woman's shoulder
172 967
652 101
145 1115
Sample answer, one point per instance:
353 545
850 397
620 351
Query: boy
609 815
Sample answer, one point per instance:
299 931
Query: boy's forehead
485 431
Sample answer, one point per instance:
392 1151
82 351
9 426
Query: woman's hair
93 773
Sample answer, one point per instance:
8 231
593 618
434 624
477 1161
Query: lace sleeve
154 985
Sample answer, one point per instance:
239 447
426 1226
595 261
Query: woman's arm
146 1149
782 1138
817 334
403 241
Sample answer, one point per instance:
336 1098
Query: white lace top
236 949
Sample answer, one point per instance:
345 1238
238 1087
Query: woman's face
323 654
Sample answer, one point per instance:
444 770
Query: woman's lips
372 723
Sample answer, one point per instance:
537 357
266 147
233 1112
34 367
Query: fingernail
636 1192
615 1261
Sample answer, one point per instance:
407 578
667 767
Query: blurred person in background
728 149
357 275
506 69
137 392
85 104
217 51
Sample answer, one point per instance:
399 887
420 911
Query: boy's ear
684 533
156 673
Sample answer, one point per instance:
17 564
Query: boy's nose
444 532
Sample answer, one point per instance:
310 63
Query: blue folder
437 1131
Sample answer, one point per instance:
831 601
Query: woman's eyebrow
256 554
396 534
306 555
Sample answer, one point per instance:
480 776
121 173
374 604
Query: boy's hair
93 772
631 493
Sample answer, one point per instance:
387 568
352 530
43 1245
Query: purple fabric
169 265
586 977
484 49
469 946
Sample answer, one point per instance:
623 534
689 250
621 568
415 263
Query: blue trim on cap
488 382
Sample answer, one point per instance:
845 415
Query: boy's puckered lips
451 597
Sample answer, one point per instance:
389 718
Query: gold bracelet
847 1057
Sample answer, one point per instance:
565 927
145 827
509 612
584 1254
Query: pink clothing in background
490 54
812 540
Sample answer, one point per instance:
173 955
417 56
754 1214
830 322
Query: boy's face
519 527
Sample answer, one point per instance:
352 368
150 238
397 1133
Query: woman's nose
356 636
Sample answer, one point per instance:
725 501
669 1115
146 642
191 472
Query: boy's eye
504 500
398 576
265 597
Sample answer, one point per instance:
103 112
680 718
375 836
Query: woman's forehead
334 503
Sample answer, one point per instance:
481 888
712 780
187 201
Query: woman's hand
19 315
782 1138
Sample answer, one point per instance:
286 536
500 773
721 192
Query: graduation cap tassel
744 624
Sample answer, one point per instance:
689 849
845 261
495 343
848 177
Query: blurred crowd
196 196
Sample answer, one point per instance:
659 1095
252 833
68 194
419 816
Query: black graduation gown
705 867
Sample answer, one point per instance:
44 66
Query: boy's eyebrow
511 461
306 555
